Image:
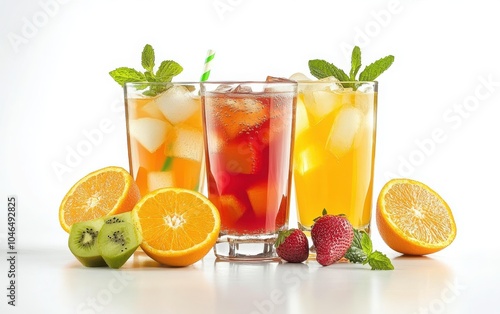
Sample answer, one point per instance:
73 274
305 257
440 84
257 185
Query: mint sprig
321 68
165 73
361 252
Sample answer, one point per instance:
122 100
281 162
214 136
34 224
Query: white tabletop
447 282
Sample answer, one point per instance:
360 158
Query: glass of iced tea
249 129
334 150
165 135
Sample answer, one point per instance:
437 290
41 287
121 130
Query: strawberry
332 236
292 246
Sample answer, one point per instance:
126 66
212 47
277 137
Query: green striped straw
208 62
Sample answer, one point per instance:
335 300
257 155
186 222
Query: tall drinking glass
334 151
249 129
165 135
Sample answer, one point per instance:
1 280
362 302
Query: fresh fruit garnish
104 241
118 239
104 192
332 236
361 251
413 219
166 71
82 242
179 226
323 69
292 246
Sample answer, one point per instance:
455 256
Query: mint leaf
361 251
355 255
321 69
356 241
379 261
355 63
372 71
148 58
167 70
123 75
150 77
366 243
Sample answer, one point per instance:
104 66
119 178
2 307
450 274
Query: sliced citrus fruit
413 219
179 226
107 191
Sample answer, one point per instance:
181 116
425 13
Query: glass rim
291 82
160 83
336 82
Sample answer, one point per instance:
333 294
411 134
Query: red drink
249 145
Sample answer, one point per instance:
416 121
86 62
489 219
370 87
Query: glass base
246 247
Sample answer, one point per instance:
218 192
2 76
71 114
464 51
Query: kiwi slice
123 217
82 242
117 241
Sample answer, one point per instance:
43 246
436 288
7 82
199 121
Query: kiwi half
82 242
123 217
118 239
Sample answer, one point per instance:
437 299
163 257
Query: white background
55 88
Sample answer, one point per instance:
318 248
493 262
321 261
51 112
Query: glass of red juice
249 131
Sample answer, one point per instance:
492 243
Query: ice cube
344 129
231 207
260 195
160 179
223 88
301 118
277 79
308 158
300 77
242 157
329 79
364 101
365 132
242 89
151 110
239 115
320 103
215 142
149 132
186 142
274 88
177 104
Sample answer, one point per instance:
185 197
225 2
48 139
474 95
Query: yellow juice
334 152
165 139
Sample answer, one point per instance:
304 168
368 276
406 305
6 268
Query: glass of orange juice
165 135
334 150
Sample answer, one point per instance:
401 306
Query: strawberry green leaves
321 68
361 251
166 71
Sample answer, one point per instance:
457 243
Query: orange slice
413 219
107 191
179 226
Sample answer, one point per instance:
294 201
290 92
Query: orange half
107 191
413 219
179 226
